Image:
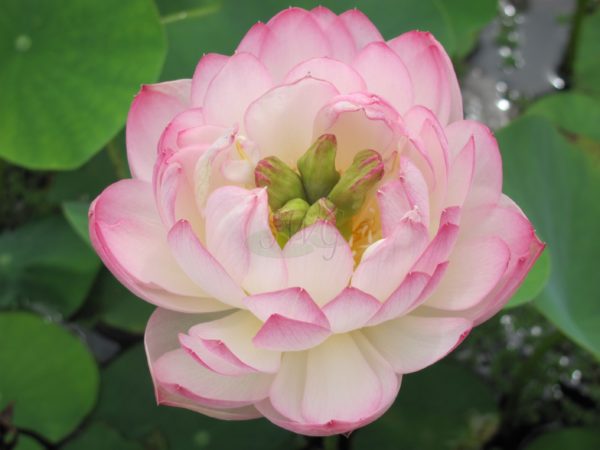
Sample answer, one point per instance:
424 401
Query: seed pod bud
317 168
282 183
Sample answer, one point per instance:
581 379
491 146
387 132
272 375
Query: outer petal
161 337
335 388
234 333
434 81
319 260
361 28
342 76
475 269
486 186
206 70
241 81
281 49
151 111
201 266
341 41
385 263
128 235
179 373
412 342
385 75
281 121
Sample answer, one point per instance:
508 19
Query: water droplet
23 43
564 361
556 81
536 331
576 376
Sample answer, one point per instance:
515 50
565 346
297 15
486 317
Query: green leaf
570 438
45 266
76 214
99 436
534 283
72 69
215 26
47 374
127 403
27 443
557 185
587 61
572 112
85 183
114 305
442 407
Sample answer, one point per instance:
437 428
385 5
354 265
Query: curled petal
229 341
201 266
130 238
281 121
161 338
151 111
385 263
350 310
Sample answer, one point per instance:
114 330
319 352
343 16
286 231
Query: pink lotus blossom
313 330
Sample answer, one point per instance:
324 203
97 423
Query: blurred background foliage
73 374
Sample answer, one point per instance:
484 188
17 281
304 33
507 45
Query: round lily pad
69 71
47 374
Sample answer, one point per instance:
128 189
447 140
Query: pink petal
486 186
151 111
402 299
335 388
281 121
242 80
229 341
179 373
281 49
346 381
398 197
433 77
496 299
319 260
413 342
442 244
162 337
385 263
282 334
475 269
345 79
350 310
206 70
129 236
385 75
460 177
254 39
340 39
291 303
361 28
359 121
201 266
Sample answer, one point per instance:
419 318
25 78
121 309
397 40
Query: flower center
318 191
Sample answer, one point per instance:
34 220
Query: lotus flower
313 219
